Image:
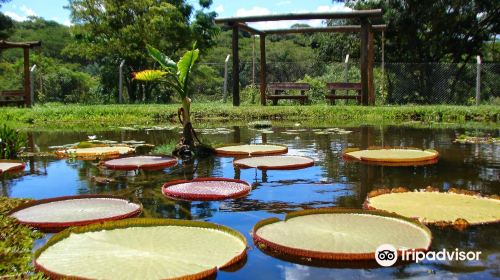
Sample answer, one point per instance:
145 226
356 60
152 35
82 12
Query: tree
6 24
108 31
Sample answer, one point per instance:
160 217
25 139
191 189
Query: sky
19 10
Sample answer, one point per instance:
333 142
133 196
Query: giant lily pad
55 214
141 249
206 189
107 151
275 162
251 150
393 156
141 162
11 166
332 234
439 208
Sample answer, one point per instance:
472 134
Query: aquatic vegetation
165 149
166 249
251 149
11 142
55 214
96 152
205 189
275 162
455 208
15 243
141 162
260 124
334 234
467 139
395 156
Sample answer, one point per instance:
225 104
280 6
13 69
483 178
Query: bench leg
275 102
332 101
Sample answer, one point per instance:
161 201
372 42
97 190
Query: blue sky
54 9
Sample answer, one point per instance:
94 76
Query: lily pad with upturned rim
205 189
438 208
339 234
55 214
395 156
141 162
275 162
107 151
251 150
11 166
141 249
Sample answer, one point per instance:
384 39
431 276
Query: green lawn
56 114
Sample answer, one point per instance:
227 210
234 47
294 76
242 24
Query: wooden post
371 51
364 60
478 81
263 70
253 60
236 67
27 83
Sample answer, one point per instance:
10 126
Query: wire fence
395 83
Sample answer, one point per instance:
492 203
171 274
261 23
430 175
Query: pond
331 182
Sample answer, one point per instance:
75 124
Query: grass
107 115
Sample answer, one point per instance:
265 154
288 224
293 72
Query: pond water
331 182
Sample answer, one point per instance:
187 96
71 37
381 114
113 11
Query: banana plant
175 75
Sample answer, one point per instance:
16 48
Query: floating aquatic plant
55 214
204 189
251 149
142 249
339 234
11 166
393 155
141 162
275 162
455 208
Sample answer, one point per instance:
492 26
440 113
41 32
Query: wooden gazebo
20 96
365 29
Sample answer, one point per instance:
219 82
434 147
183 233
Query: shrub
11 142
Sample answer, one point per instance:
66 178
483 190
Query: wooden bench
15 97
343 86
277 90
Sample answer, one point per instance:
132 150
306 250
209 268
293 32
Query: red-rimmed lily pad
338 234
393 156
251 150
454 208
141 249
141 162
11 166
275 162
55 214
204 189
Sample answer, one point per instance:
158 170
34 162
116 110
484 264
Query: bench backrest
353 86
288 86
12 93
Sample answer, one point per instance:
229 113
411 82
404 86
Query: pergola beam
247 28
11 45
305 16
329 29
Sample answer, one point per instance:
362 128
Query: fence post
346 71
478 81
224 90
32 84
120 82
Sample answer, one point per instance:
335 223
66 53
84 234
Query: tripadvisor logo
387 255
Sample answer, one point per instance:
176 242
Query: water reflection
331 182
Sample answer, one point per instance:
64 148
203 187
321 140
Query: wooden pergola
26 46
365 29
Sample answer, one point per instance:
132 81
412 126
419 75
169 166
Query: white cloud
219 9
259 11
27 11
15 16
67 22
